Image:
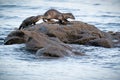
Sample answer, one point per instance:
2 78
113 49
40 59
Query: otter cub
30 21
54 14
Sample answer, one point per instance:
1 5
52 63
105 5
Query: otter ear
69 13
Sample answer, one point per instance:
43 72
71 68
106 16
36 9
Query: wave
96 4
8 17
110 16
9 6
12 6
113 24
108 24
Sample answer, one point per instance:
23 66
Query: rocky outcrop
15 37
44 45
75 32
49 39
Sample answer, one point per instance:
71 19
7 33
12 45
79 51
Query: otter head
38 17
68 15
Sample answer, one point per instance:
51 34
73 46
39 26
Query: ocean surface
101 63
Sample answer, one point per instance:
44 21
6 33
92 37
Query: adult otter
30 21
54 14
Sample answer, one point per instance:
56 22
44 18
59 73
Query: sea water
100 63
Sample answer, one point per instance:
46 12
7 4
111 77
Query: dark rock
15 37
14 40
115 38
49 39
101 42
53 51
76 33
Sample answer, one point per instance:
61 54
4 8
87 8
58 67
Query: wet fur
30 21
54 14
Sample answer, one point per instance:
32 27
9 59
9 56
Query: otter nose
73 17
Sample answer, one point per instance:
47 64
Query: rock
36 40
15 37
56 52
115 38
75 32
44 45
53 51
49 39
101 42
106 41
14 40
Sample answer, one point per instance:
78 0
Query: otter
30 21
54 14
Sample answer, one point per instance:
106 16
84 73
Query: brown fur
30 21
54 14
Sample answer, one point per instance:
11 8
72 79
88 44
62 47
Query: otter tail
21 26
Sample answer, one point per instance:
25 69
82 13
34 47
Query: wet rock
74 32
57 51
14 40
115 38
36 40
15 37
44 45
49 39
101 42
106 41
53 51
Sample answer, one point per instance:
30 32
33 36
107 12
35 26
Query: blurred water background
101 63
